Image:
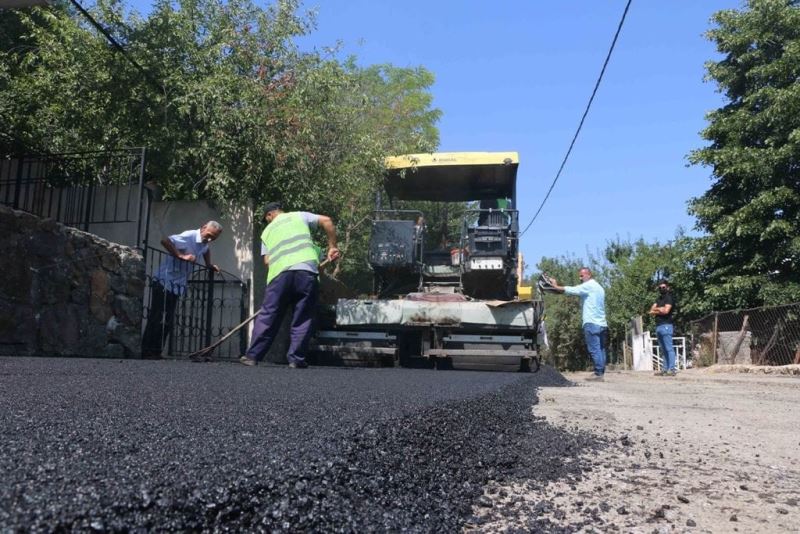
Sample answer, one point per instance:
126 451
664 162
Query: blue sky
516 75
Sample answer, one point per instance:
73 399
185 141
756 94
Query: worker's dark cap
271 206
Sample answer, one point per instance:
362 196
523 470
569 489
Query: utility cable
583 118
116 44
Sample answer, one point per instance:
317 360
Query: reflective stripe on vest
288 241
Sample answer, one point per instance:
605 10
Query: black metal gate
206 307
85 190
103 193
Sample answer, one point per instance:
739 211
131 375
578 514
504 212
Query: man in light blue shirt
184 251
170 282
595 327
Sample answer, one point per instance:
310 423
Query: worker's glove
544 283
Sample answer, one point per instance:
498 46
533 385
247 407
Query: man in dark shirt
663 310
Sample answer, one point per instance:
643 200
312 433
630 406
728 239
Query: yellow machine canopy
452 176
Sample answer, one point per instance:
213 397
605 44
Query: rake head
202 355
544 283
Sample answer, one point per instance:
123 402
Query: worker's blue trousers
290 288
595 337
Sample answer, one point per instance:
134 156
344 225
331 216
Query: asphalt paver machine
444 302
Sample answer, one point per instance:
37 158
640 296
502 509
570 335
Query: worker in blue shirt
595 327
169 283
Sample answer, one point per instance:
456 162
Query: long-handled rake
204 354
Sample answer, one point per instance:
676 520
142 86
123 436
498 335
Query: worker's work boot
659 373
596 378
244 360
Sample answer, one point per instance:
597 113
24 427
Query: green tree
226 104
751 253
388 110
631 271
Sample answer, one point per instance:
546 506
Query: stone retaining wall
64 292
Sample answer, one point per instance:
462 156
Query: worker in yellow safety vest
293 263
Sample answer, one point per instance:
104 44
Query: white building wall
233 251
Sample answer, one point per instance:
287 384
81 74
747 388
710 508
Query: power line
115 44
583 118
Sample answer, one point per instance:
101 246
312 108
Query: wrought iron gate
95 191
207 307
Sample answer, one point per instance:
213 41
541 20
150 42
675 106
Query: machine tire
444 364
410 351
531 365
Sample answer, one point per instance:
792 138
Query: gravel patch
698 453
791 369
138 445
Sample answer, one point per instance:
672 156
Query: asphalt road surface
136 445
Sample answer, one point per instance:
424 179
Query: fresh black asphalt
113 445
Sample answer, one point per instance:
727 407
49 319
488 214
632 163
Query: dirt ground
702 452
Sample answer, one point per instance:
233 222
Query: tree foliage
631 272
751 253
227 105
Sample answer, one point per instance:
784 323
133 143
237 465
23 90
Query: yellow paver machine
452 303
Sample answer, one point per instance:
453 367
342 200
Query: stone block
130 338
110 260
135 287
50 286
65 306
47 245
117 283
80 294
727 352
128 311
59 329
100 296
94 339
15 319
15 284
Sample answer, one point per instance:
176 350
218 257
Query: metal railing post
18 186
89 204
141 201
209 306
714 338
243 316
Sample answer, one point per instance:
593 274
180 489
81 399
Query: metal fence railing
85 190
188 306
678 345
769 335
